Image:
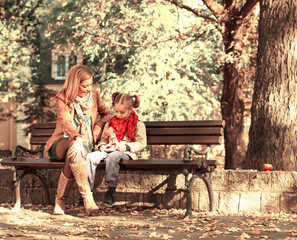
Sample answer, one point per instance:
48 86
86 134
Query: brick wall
234 190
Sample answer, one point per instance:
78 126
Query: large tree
235 19
274 109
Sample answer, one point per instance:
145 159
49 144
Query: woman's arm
65 118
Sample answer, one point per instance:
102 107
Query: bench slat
201 123
160 140
42 132
158 132
128 165
185 131
47 132
181 140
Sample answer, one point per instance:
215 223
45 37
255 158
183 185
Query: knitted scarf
121 126
82 117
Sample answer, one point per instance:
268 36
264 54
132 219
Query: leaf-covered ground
37 222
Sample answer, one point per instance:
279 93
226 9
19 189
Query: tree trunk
232 112
272 136
232 102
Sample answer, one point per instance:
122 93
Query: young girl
123 136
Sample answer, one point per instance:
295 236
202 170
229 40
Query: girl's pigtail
114 96
136 101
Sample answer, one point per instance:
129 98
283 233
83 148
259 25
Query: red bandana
120 126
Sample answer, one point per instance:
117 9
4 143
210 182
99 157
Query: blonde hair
127 99
75 75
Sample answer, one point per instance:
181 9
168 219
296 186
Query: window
62 61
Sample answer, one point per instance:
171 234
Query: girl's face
85 87
122 111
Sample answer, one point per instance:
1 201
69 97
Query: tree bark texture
232 112
272 136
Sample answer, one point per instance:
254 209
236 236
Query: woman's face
85 87
122 111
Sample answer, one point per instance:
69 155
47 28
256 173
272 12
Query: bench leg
210 192
17 185
42 179
17 189
189 184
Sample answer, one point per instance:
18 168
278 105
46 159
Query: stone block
171 199
99 196
288 202
199 186
228 201
6 177
284 181
237 180
249 202
204 203
183 200
34 196
130 180
100 180
219 180
260 181
152 199
6 194
174 181
134 198
53 176
153 182
270 202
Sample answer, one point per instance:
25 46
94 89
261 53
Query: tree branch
216 9
180 36
246 9
195 12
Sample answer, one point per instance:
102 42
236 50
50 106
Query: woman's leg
62 148
112 169
66 179
78 167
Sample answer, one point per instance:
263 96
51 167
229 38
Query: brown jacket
100 114
138 145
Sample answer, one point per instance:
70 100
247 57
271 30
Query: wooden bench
187 133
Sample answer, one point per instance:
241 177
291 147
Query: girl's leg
112 169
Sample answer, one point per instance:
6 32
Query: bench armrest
190 151
20 151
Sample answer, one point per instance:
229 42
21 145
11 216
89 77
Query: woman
81 114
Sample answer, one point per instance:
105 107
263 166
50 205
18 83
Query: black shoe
109 198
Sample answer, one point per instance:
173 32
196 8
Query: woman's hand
79 147
97 131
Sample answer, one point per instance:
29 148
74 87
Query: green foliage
15 28
166 55
20 45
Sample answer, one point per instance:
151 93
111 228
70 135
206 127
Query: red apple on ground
267 167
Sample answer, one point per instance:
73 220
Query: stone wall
234 190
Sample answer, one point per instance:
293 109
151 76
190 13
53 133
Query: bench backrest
206 132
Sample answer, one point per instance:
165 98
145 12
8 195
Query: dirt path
37 222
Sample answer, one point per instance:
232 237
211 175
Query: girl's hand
120 147
102 148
